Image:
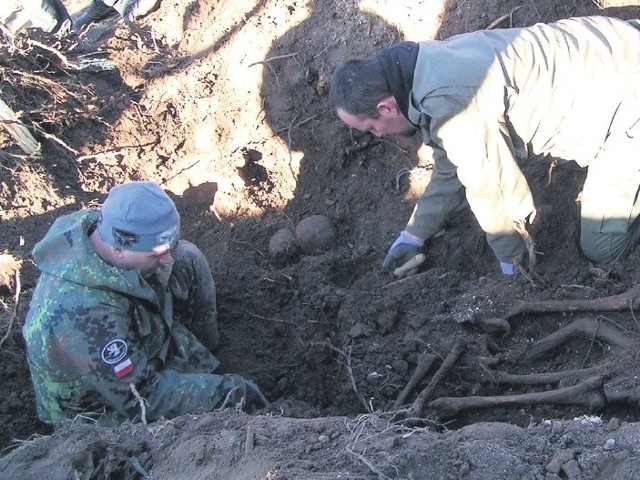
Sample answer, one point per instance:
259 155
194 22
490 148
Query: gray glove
255 400
402 250
243 394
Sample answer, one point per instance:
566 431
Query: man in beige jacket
487 100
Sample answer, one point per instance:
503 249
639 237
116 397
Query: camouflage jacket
99 338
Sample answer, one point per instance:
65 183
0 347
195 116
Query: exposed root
623 391
591 392
366 429
528 241
496 23
531 273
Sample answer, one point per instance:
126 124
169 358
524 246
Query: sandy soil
225 104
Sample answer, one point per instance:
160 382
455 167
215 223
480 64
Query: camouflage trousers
194 294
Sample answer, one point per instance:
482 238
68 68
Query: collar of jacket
399 62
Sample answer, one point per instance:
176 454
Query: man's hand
243 394
255 400
402 250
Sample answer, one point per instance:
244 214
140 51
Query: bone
425 361
587 393
458 348
622 301
586 327
549 378
493 326
414 262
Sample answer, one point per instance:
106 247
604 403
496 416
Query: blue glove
508 269
402 250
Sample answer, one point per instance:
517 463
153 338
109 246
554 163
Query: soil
225 104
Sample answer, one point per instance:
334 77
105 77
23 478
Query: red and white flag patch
123 368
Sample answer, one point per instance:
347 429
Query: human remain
488 100
123 320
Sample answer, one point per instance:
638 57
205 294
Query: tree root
588 393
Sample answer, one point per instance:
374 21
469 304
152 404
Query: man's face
389 122
145 262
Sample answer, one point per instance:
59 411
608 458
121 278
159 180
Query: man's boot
131 10
96 12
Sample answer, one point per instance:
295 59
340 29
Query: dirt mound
225 104
235 446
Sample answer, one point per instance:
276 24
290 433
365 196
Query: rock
557 428
571 469
559 460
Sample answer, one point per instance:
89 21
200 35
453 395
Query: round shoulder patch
114 351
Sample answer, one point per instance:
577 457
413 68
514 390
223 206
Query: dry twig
360 434
141 402
502 18
347 365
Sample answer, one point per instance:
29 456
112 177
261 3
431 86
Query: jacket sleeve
471 134
105 355
442 198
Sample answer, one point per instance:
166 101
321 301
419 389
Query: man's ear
388 107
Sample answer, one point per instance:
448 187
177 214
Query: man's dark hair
358 85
